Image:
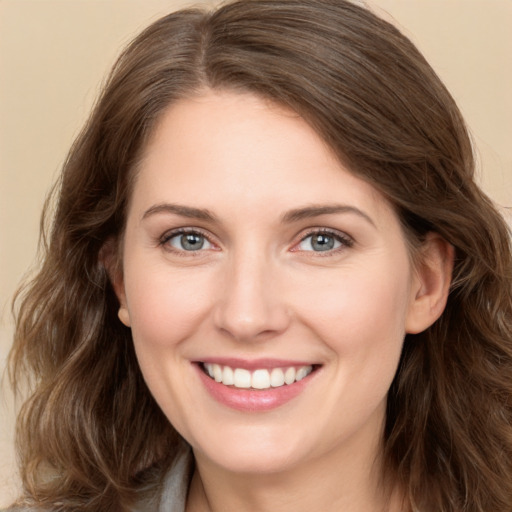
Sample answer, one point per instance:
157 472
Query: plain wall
55 53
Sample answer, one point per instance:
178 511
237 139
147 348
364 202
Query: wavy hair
90 434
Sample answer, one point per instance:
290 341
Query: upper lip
255 364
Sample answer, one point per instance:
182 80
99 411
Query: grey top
174 490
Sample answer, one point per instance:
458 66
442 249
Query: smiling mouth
259 379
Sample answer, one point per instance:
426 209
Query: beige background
54 54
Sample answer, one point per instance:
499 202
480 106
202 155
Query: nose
251 306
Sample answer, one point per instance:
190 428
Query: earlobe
118 285
431 285
124 315
110 261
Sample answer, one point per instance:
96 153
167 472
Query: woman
270 282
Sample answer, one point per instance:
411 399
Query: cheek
361 319
357 309
165 306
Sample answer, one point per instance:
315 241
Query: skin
257 289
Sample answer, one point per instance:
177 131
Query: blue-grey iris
322 242
192 241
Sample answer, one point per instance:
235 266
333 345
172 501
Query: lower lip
250 400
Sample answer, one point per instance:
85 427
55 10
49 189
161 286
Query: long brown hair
91 436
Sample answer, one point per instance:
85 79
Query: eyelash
345 241
169 235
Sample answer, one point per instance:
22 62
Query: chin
254 462
261 453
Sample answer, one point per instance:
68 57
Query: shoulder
174 490
173 493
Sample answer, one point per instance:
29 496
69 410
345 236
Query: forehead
224 148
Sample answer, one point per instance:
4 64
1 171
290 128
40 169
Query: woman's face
252 255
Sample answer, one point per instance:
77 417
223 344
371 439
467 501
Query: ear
431 283
108 257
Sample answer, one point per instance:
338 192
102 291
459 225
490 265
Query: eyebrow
289 217
178 209
309 212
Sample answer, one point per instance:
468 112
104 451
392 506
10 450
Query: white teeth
276 378
217 373
258 379
289 376
227 376
242 378
301 373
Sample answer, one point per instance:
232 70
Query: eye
189 241
323 241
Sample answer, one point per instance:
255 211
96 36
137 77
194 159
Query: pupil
192 242
322 242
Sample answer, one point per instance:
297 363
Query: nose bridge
250 304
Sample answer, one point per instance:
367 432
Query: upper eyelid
346 240
321 230
342 235
171 233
